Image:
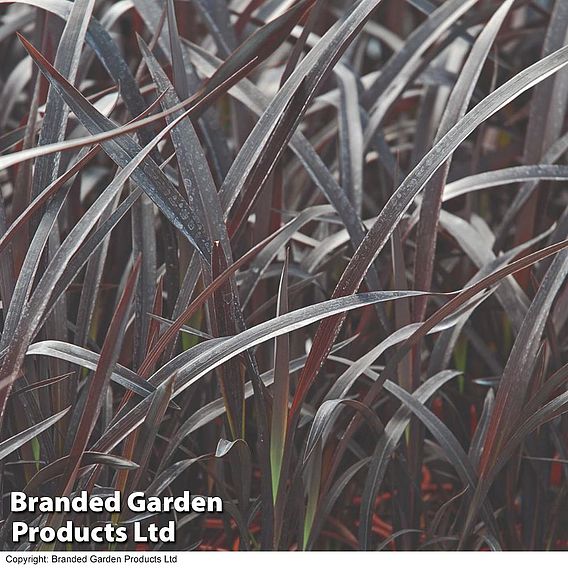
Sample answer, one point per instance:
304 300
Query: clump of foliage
309 256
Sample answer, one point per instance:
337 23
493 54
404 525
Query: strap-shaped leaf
123 150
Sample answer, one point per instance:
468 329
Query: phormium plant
306 256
